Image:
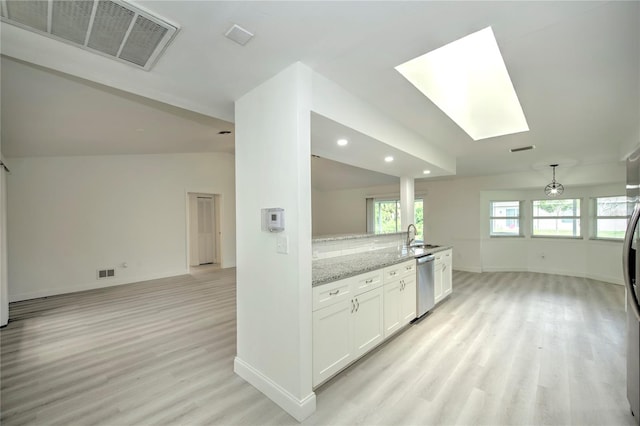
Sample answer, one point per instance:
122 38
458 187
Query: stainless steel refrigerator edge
630 263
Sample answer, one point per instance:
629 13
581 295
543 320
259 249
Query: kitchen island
364 291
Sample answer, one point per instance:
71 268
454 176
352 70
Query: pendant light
554 188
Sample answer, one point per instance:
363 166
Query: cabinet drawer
408 268
366 282
394 272
330 293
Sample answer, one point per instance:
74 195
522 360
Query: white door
206 231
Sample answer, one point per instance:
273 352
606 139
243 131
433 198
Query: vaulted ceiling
574 65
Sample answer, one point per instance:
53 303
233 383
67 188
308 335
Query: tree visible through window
556 218
610 217
386 217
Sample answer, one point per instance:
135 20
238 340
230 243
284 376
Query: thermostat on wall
273 220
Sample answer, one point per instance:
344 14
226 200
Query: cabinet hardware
369 281
353 306
357 305
392 273
333 293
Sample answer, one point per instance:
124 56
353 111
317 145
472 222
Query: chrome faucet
410 239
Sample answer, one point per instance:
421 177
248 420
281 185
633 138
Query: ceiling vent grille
111 28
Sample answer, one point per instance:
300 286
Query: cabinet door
366 322
447 284
437 281
408 301
392 307
332 340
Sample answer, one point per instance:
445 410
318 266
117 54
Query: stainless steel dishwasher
425 297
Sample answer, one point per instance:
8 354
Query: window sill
610 240
506 236
557 237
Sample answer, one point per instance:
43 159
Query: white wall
597 259
456 213
69 216
339 212
273 148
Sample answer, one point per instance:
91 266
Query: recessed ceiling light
468 80
342 142
426 172
388 159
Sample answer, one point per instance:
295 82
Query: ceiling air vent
111 28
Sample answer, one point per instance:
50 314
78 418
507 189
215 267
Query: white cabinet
332 340
392 303
347 322
399 296
442 275
366 321
408 301
447 273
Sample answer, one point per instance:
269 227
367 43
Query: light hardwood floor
505 348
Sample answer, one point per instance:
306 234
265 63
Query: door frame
217 213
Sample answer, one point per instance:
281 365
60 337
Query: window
610 220
504 218
556 218
386 217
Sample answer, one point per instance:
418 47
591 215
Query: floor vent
106 273
111 28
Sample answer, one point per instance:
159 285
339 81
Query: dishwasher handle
425 259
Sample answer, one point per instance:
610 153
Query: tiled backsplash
323 248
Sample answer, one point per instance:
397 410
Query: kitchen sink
424 246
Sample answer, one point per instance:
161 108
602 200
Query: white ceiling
574 65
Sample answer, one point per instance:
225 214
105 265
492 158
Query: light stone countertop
341 237
340 267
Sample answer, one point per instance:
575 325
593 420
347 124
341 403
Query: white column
407 201
273 169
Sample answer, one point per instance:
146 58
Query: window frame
391 199
594 218
519 218
578 217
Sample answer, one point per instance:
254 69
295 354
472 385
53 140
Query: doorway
203 229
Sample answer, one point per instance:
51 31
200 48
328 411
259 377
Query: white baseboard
491 269
611 280
468 269
91 286
604 278
298 409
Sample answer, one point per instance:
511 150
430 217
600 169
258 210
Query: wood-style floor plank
506 348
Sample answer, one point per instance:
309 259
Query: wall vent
111 28
106 273
524 148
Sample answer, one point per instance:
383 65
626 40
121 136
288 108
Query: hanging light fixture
554 188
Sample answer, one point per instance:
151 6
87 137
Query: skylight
468 80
